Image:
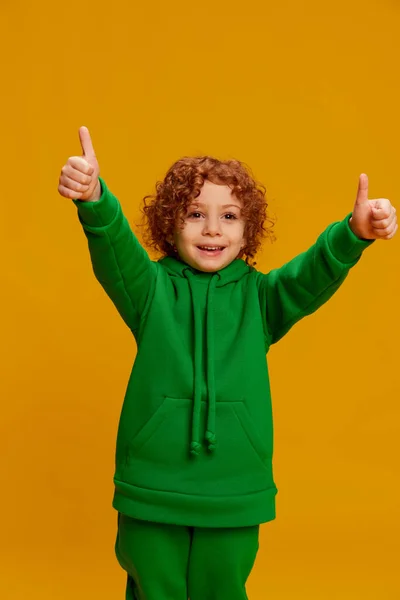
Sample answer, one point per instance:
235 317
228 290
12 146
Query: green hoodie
195 438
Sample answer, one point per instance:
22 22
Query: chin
210 267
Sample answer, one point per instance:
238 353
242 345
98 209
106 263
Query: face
213 232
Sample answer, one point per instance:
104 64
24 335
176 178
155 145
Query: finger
73 185
66 193
381 208
80 164
69 171
389 237
362 192
383 233
86 143
383 223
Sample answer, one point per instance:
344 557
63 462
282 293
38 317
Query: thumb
86 143
362 192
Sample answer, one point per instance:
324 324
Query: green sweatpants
171 562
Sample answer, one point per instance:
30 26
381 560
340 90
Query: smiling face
212 235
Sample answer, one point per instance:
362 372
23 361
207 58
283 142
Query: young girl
194 477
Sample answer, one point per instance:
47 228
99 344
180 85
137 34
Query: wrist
95 197
354 229
98 214
358 233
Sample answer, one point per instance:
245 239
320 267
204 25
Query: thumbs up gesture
372 219
79 179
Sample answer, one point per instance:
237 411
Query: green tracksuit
195 439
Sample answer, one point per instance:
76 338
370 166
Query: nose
212 227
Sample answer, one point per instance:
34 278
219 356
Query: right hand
79 179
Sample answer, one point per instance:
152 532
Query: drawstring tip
195 448
212 440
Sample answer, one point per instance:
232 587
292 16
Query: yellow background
308 94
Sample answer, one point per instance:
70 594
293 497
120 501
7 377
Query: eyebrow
224 206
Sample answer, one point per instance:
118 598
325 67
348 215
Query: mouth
211 250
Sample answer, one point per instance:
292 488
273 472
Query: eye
194 215
231 216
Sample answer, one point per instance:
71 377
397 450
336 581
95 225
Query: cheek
182 237
238 235
188 233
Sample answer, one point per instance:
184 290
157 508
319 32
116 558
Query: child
193 477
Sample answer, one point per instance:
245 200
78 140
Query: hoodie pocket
167 410
158 457
164 439
243 415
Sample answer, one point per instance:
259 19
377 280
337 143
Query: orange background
308 94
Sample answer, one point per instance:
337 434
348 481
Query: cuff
344 244
99 213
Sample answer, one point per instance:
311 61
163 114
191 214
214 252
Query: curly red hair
183 183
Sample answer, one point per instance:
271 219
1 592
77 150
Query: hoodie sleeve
305 283
120 263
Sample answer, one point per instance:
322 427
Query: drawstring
210 430
195 442
210 436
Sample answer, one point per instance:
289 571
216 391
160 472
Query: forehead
212 193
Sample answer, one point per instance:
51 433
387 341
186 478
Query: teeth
211 247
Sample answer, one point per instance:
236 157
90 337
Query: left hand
372 219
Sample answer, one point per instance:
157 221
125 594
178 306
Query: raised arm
305 283
120 263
